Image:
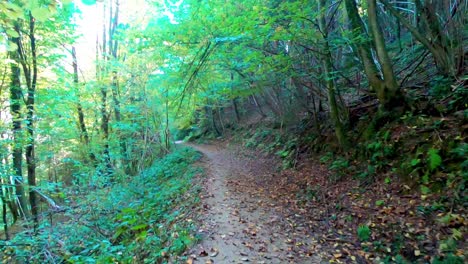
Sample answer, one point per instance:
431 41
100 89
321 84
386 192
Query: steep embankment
349 208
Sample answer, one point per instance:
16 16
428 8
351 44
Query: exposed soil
240 220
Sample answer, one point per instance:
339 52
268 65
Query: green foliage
449 259
339 167
364 232
272 141
379 202
434 159
181 65
377 153
144 220
440 87
326 157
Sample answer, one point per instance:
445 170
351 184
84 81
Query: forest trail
239 222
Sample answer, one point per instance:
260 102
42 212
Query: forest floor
241 220
254 211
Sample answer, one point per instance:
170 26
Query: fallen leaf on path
214 252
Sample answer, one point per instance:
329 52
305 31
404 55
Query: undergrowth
412 168
272 141
144 220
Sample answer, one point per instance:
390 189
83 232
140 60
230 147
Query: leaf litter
254 212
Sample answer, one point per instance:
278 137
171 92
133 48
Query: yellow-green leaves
41 14
12 33
10 10
11 46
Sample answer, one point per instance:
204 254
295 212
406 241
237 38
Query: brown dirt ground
241 221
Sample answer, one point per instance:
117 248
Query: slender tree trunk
390 92
363 45
114 47
220 117
30 75
166 129
329 79
4 193
234 100
84 136
30 105
105 131
108 170
436 46
259 107
4 215
16 96
385 86
213 121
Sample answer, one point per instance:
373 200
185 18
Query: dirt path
240 223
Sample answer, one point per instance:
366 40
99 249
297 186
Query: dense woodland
374 89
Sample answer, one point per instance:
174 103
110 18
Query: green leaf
128 210
434 159
363 232
41 14
12 11
415 162
456 234
12 33
379 202
12 46
425 189
138 227
425 179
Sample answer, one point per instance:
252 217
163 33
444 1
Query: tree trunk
234 100
114 47
4 215
363 45
259 107
30 104
107 171
385 87
105 132
442 57
329 79
84 136
390 93
16 96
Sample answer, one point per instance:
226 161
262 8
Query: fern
363 232
434 159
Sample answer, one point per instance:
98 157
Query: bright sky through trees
89 25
